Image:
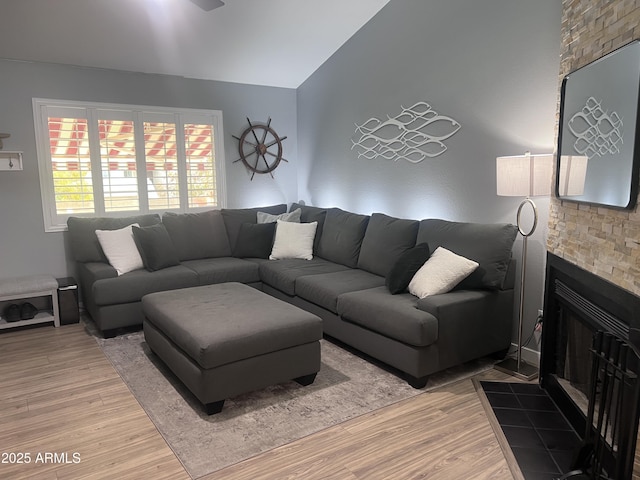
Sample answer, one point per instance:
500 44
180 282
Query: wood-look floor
60 396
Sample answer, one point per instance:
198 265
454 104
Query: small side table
68 300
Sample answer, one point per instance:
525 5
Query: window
116 160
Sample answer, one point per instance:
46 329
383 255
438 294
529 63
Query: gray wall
492 65
25 248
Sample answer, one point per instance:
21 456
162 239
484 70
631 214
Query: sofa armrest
93 271
88 274
471 323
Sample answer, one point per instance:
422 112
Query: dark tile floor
540 437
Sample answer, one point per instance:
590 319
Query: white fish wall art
415 134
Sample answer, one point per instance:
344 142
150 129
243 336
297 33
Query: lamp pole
525 237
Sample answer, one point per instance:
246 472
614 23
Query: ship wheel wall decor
260 148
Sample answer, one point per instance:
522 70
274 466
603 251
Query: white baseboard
528 355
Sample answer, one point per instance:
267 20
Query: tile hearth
541 439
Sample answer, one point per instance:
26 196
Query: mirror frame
632 136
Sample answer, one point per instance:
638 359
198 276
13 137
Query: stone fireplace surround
576 304
586 238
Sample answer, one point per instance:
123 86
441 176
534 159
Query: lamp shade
524 175
572 175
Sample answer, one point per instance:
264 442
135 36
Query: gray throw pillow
408 264
293 216
255 240
155 247
235 217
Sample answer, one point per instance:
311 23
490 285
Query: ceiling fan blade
208 5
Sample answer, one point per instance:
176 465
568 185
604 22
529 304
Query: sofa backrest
385 239
82 234
488 244
342 235
197 235
312 214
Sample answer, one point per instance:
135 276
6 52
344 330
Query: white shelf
10 161
46 301
41 317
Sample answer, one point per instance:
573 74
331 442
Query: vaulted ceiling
263 42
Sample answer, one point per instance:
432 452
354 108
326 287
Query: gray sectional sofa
345 284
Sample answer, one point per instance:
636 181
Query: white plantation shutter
199 151
161 164
70 164
111 160
118 164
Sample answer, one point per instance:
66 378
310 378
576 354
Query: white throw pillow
293 240
286 217
120 249
443 271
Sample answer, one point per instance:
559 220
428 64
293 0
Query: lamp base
510 366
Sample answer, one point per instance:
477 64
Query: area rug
347 386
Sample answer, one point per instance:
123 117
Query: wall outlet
537 332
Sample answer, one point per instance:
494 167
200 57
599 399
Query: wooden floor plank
436 435
59 393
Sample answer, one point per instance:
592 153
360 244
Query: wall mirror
598 136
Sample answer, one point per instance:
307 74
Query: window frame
42 109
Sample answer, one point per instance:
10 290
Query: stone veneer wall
603 241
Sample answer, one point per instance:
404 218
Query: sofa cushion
282 274
394 316
235 217
488 244
342 236
120 249
223 269
312 214
293 240
398 278
132 286
255 240
82 234
324 289
155 246
197 235
385 240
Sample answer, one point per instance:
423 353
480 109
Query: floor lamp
523 176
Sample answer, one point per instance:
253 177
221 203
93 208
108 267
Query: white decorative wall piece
597 132
415 134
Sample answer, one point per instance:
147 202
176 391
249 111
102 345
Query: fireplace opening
579 304
574 358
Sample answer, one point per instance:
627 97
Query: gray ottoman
226 339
